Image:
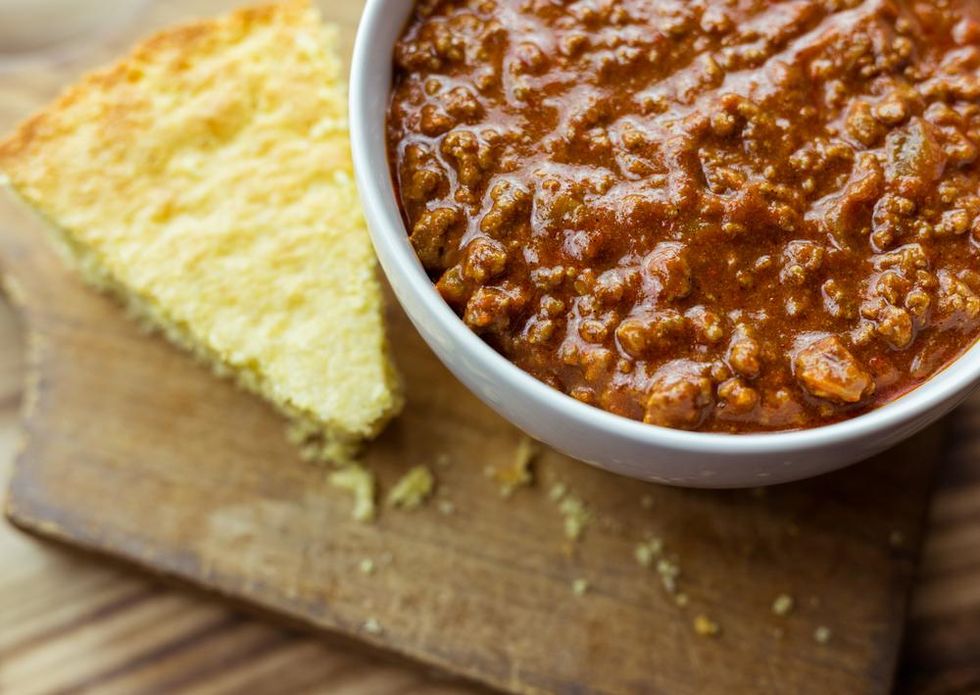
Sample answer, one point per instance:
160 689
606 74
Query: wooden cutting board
133 450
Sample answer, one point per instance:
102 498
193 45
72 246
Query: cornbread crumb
647 551
206 181
310 451
372 626
580 586
576 516
361 482
518 472
446 507
783 605
299 432
669 572
412 489
706 627
822 634
366 566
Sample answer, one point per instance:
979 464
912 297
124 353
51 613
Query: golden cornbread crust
206 180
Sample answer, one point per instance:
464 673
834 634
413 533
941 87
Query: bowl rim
406 274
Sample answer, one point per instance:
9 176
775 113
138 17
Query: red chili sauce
719 215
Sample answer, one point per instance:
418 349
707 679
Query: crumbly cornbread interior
206 180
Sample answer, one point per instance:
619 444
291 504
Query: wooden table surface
69 623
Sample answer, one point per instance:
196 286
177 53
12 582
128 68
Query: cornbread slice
207 181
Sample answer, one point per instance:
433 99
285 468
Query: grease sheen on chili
723 215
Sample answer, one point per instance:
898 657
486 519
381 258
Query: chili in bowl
704 243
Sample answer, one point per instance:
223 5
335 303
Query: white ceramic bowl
612 442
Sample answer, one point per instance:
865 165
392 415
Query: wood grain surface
71 624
